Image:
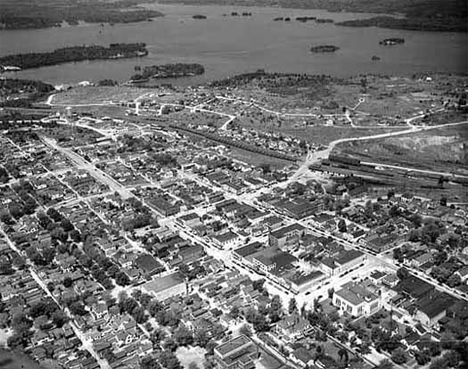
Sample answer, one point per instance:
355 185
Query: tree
422 357
331 292
201 338
139 315
258 285
59 318
403 273
434 349
149 362
169 361
342 226
399 356
334 316
246 330
343 353
67 282
183 336
157 336
170 344
154 307
77 308
454 280
234 313
193 365
385 364
439 363
292 306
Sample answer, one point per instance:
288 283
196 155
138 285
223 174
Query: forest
21 14
74 54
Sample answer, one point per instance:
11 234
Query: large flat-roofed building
343 262
238 353
356 300
286 236
165 287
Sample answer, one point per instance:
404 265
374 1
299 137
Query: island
277 19
24 14
324 20
305 19
168 71
414 23
375 58
73 54
199 16
246 14
324 49
392 41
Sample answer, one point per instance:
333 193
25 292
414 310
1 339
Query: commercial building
286 237
356 300
165 287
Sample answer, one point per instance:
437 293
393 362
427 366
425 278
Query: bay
228 45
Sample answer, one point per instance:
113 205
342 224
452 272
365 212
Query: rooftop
285 230
356 294
163 283
233 345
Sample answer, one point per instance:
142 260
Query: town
204 227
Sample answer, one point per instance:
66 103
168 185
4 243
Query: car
319 297
307 293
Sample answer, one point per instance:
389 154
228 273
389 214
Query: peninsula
413 24
73 54
324 49
169 71
27 14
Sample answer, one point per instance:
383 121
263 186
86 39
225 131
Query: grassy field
15 360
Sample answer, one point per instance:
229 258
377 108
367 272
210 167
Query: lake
233 45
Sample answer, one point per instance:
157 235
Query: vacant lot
440 149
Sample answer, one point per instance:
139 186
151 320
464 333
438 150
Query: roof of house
148 263
414 286
226 237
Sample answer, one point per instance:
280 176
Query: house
292 327
149 265
421 259
463 274
287 236
238 353
356 300
377 276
